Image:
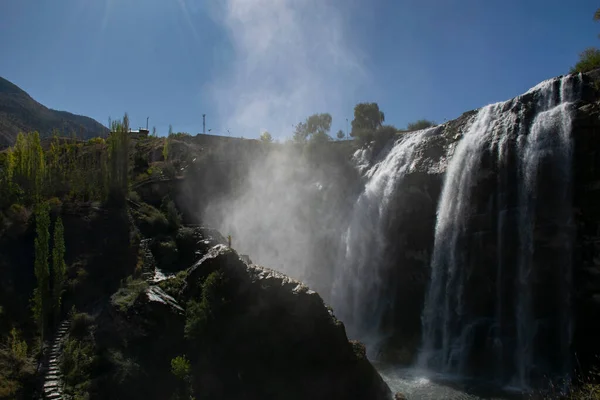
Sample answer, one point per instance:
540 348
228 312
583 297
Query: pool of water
425 385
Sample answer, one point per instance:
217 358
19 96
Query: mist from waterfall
498 302
360 292
511 343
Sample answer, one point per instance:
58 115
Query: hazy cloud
291 59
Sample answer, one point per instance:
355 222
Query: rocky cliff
249 332
410 229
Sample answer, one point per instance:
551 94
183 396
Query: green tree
20 151
167 147
180 367
340 135
9 166
182 370
59 267
7 187
201 314
589 59
41 294
29 164
53 162
420 124
266 137
119 159
36 164
319 138
367 118
316 126
169 209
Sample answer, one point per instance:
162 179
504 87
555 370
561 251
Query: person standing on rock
229 240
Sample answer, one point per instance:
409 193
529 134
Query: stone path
149 265
53 384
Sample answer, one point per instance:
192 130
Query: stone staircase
149 266
53 383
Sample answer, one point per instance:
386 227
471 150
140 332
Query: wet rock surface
410 228
267 336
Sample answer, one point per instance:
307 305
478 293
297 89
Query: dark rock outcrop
408 255
265 336
586 210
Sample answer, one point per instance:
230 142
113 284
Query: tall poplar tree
41 294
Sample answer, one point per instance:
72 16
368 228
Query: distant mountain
20 113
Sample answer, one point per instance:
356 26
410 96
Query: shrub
140 162
364 136
123 368
266 137
589 60
169 171
359 349
173 285
96 140
587 388
170 210
180 367
420 124
141 177
151 221
167 254
186 240
180 135
17 214
81 324
134 196
124 298
55 205
199 314
186 235
154 172
16 367
75 364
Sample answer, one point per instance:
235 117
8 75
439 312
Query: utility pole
347 133
147 122
203 124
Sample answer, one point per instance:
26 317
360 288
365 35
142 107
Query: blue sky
254 65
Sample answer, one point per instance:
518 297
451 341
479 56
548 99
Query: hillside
21 113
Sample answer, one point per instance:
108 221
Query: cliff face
492 229
586 209
508 248
249 332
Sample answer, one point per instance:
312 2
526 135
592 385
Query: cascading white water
358 293
450 326
549 136
444 328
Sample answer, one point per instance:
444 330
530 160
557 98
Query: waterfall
549 137
445 328
524 142
360 294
